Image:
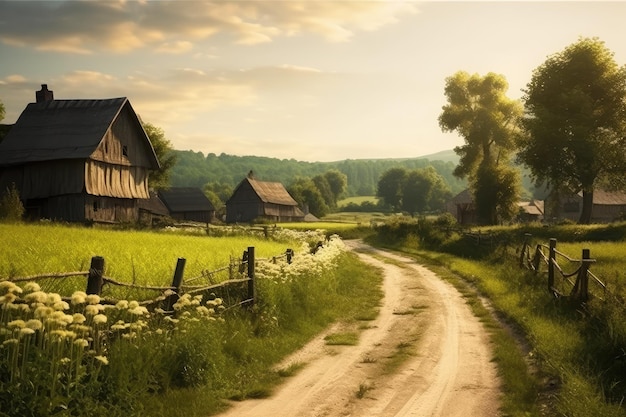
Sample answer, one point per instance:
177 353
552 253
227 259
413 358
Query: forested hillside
194 169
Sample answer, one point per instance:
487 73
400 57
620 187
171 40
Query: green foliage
306 193
575 133
417 191
165 154
480 112
496 192
194 169
390 186
11 207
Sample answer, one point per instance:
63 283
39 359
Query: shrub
11 207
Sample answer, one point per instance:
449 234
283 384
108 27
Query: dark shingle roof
185 199
59 129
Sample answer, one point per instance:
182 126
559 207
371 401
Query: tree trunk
585 214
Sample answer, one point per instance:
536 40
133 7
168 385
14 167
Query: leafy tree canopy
164 151
306 193
575 125
390 187
479 110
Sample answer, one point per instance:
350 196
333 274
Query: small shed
187 203
152 210
261 200
78 160
531 211
608 206
462 207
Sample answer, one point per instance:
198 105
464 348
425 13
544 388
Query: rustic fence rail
558 279
239 272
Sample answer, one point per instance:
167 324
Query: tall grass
575 352
87 359
141 257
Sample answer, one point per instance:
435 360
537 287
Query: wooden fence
561 283
239 272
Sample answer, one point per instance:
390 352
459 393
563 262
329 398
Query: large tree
575 123
479 111
424 190
306 193
165 154
390 187
338 182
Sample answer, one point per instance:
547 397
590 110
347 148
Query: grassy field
141 257
357 200
83 358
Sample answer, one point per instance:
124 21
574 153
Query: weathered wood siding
123 143
120 181
244 206
45 179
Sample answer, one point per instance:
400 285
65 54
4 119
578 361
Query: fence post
251 284
526 247
581 288
94 280
551 260
289 255
176 283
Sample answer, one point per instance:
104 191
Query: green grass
357 200
555 357
186 366
342 339
141 257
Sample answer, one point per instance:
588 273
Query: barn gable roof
187 199
64 129
608 198
272 192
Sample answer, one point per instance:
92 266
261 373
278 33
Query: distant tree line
194 169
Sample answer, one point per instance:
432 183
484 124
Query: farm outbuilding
461 206
78 160
188 203
608 206
262 200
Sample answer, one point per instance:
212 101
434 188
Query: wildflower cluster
305 263
52 347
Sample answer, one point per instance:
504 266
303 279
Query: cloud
85 27
176 47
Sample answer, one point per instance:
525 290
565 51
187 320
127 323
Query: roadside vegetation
573 354
84 357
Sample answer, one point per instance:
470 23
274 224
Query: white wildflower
79 297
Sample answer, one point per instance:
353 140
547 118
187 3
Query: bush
11 207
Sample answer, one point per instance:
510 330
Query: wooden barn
78 160
607 206
260 200
461 206
188 203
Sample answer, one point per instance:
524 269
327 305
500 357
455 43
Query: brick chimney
44 94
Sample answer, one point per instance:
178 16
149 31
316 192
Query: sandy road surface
449 372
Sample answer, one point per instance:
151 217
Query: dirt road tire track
450 372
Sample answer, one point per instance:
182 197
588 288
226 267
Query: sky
311 80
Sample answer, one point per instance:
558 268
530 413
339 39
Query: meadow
82 357
131 256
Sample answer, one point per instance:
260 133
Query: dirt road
440 349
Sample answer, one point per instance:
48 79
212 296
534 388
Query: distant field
357 200
143 257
